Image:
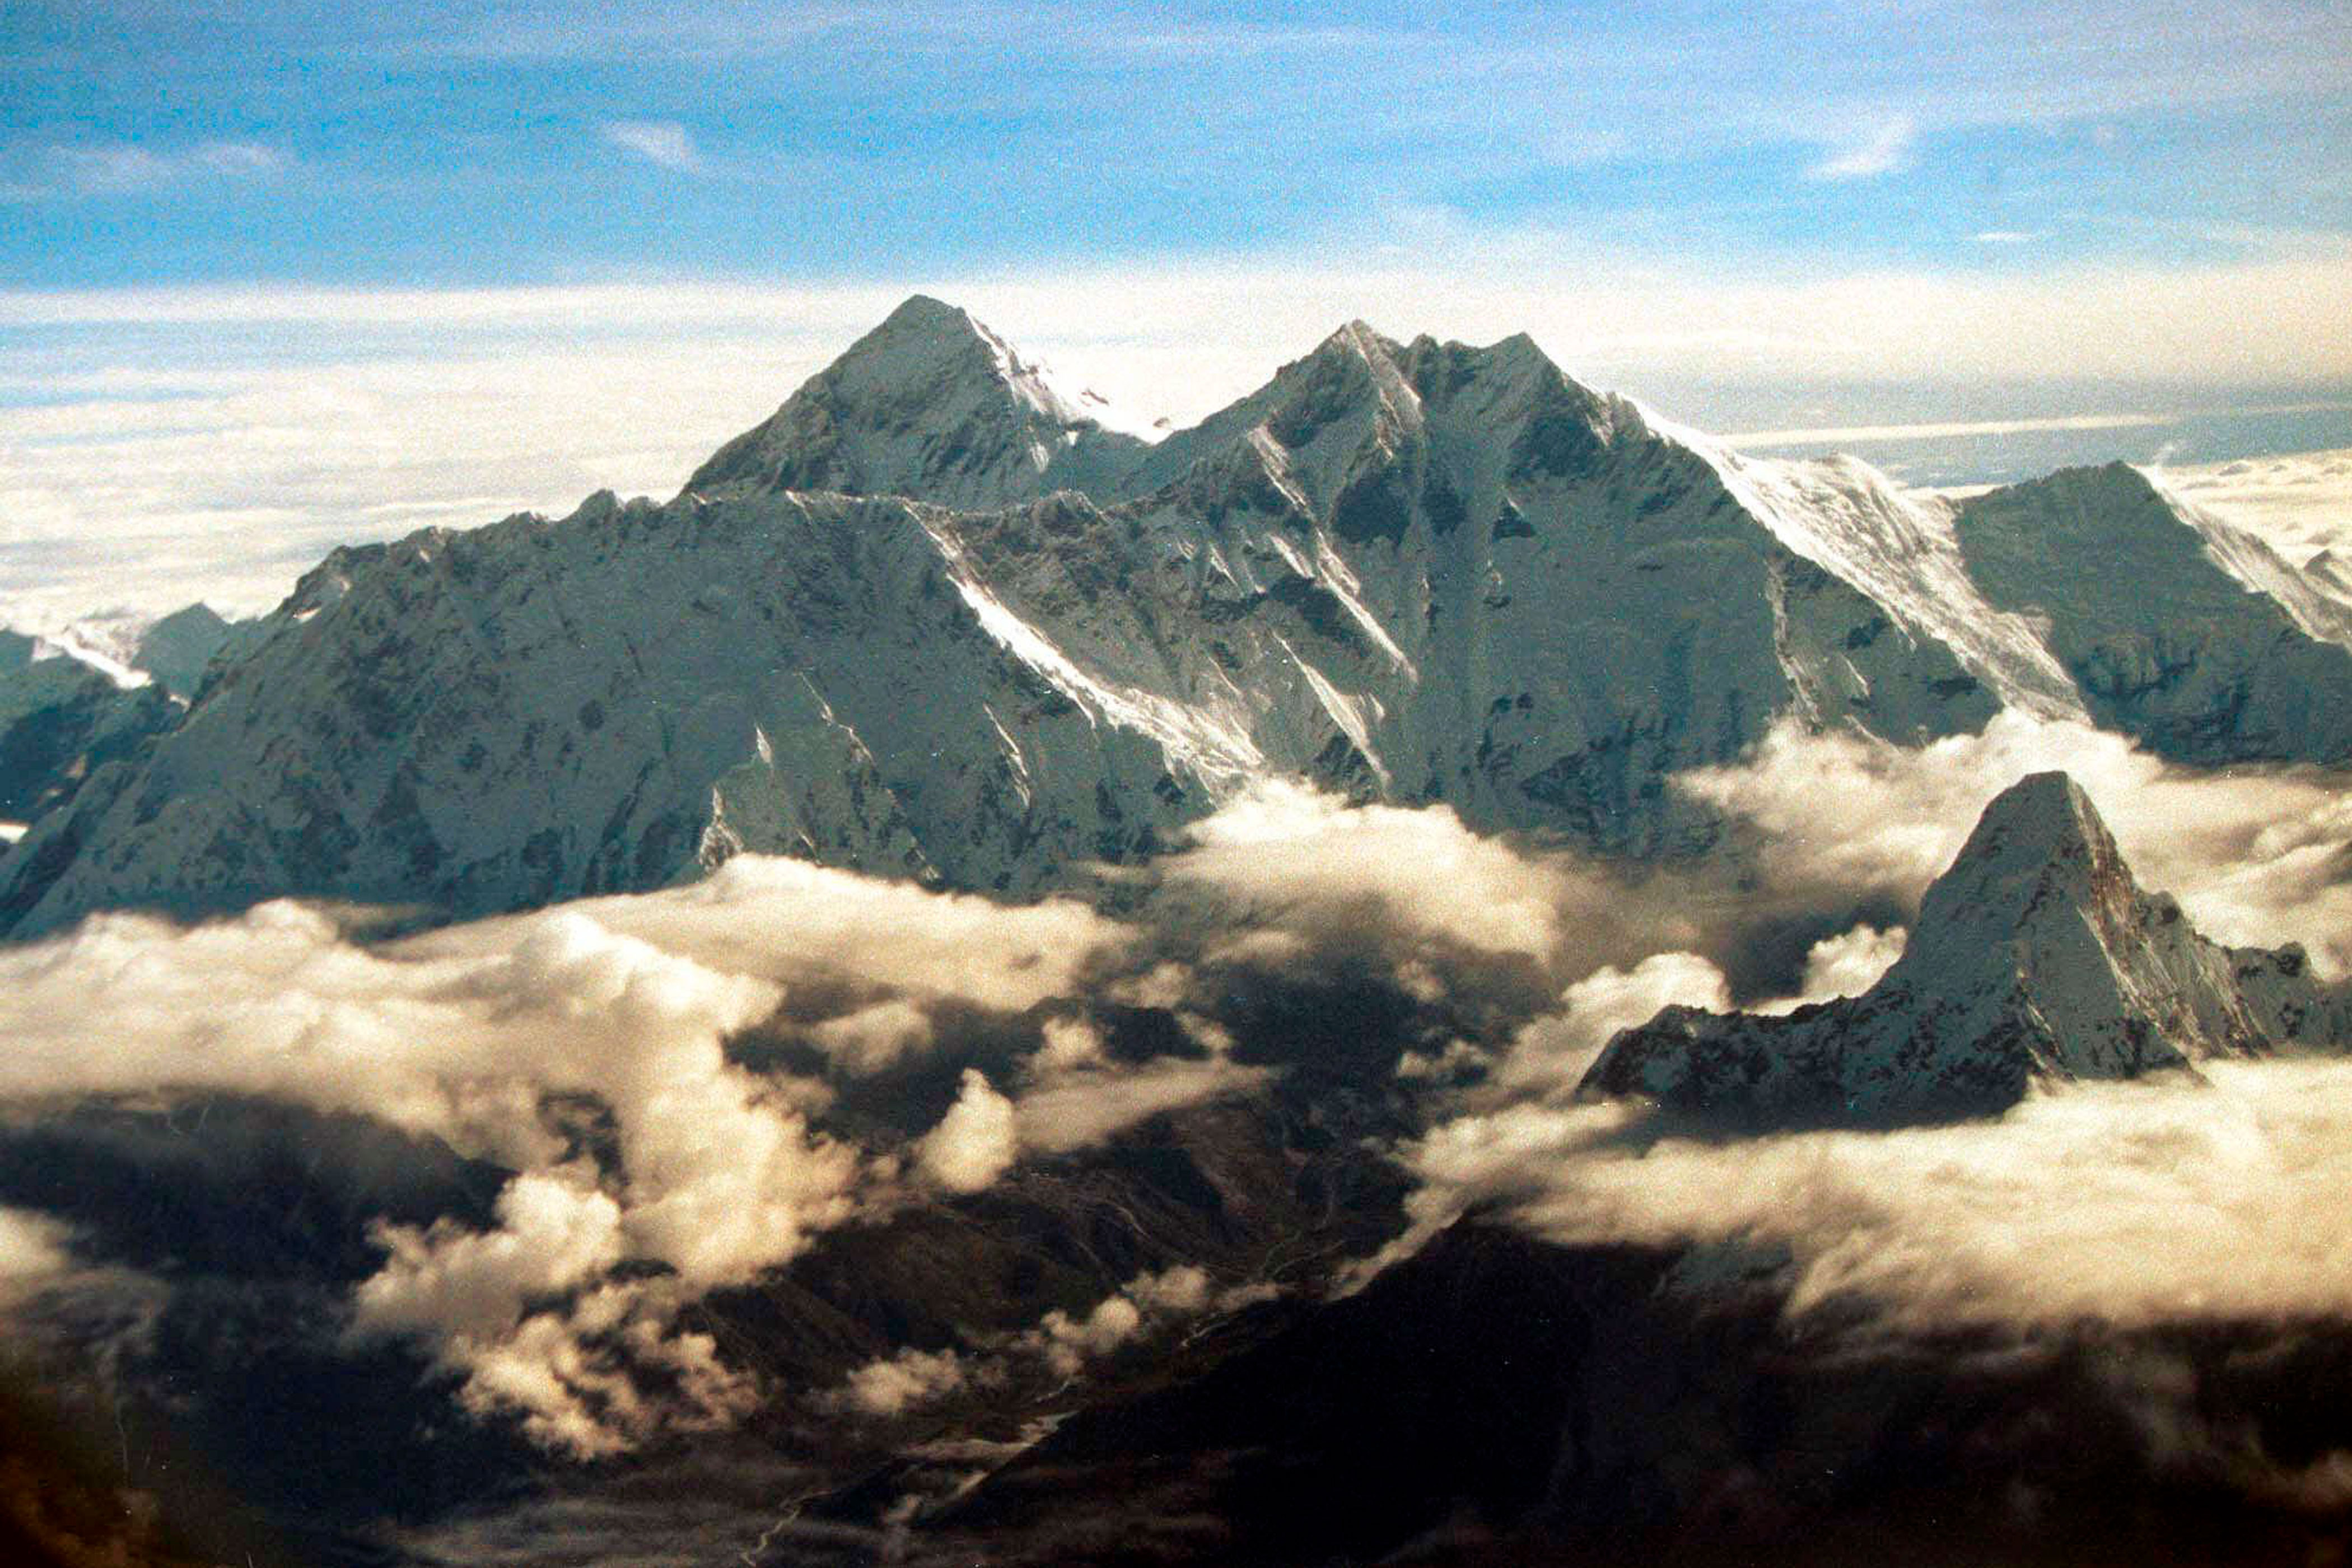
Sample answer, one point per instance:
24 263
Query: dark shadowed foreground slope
1501 1400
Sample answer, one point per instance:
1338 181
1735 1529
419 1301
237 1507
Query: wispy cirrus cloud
116 168
1883 150
665 143
720 28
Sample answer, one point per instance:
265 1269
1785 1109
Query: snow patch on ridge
1213 749
1040 390
62 642
2248 558
1348 590
1354 715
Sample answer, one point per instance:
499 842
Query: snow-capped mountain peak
931 404
2170 624
930 323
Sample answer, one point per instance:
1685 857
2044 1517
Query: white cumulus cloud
1552 1054
1061 1342
2134 1203
975 1141
2255 855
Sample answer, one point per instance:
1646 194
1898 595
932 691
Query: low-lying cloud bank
2300 501
657 1075
592 1050
493 1037
2131 1203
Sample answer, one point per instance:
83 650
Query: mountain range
941 617
944 620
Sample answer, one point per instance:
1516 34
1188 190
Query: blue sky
444 144
292 272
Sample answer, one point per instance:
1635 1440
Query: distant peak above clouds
2037 960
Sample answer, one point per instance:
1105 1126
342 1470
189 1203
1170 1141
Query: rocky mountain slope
93 693
61 718
2036 957
178 648
2175 627
1414 571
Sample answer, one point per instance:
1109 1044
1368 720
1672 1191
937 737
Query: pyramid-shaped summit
2036 958
930 405
2039 856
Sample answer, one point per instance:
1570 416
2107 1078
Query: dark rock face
207 1354
179 649
1444 1390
